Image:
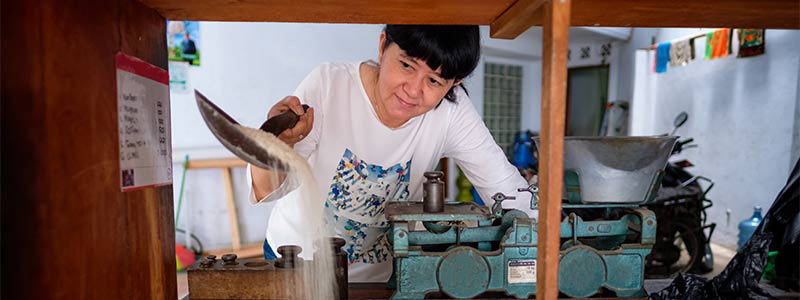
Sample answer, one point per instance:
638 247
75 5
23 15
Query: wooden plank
656 13
216 163
324 11
232 214
517 19
72 233
686 13
610 13
554 97
246 251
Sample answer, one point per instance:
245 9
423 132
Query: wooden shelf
513 17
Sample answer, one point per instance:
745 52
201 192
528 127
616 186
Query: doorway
587 96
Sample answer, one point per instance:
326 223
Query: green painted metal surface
500 255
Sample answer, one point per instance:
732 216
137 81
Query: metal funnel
234 139
614 170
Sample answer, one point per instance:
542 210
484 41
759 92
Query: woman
373 129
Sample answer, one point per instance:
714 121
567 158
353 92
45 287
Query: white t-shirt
360 164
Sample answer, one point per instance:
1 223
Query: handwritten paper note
145 147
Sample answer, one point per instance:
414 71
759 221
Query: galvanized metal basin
614 170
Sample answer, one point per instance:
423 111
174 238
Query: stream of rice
319 279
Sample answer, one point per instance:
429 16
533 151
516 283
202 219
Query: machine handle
534 190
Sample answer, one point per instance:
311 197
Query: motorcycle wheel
689 241
686 239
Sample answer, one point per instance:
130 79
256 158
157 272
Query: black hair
456 48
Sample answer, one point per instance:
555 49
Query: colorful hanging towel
751 42
662 57
681 52
718 43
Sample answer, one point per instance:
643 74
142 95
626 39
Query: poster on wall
178 77
145 141
183 41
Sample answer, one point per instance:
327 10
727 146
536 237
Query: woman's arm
471 145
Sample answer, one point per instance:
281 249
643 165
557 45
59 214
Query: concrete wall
742 114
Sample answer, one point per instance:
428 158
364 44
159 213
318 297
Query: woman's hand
297 133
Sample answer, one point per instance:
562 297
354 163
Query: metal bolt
401 234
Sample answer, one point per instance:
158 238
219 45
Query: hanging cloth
751 42
718 43
662 57
681 52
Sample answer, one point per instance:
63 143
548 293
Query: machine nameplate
522 271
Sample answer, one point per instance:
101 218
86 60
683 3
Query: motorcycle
682 244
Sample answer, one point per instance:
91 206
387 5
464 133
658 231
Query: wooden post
232 215
554 87
69 232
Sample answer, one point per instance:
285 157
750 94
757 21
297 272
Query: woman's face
407 87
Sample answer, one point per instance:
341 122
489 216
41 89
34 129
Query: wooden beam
246 251
232 214
516 19
554 96
686 13
216 163
608 13
326 11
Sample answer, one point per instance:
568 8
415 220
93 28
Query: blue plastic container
747 227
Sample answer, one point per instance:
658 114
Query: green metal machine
466 250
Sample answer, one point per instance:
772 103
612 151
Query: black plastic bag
740 278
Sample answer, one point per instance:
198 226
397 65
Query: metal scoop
233 138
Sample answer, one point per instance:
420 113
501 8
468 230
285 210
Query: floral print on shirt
356 204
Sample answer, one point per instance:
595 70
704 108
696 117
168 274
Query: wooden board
245 251
68 230
322 11
610 13
216 163
230 203
554 98
675 13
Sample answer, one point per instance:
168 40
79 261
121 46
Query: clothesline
688 37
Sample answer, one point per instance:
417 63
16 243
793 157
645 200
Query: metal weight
433 192
289 259
341 262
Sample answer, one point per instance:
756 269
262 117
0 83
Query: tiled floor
722 256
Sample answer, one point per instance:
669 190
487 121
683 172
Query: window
502 103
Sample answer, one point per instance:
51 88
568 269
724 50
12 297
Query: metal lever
534 190
497 207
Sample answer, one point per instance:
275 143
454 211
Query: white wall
742 114
246 68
